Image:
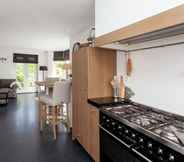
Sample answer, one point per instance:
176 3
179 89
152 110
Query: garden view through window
59 69
26 75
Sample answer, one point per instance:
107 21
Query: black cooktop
162 126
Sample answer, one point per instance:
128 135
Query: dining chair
51 107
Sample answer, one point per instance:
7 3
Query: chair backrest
51 79
62 91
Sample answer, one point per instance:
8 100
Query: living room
36 41
50 37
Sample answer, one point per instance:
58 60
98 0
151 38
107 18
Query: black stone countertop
107 101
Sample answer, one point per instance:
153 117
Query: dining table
47 86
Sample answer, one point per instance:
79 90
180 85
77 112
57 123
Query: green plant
60 68
128 93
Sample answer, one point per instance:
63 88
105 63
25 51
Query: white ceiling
43 24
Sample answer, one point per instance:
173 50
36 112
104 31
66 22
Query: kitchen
150 126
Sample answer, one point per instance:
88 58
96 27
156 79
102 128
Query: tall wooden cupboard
92 71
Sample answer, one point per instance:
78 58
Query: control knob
113 123
133 135
141 140
171 157
119 127
107 120
126 131
160 158
150 145
160 151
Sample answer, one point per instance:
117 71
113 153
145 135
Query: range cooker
136 133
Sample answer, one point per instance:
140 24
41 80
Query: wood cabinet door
79 94
94 134
75 98
83 116
101 69
92 71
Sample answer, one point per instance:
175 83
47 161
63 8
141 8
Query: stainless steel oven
116 146
121 143
113 150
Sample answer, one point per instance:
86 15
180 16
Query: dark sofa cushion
5 83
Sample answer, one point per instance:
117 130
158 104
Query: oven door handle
128 146
141 155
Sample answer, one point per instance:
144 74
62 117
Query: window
26 75
59 69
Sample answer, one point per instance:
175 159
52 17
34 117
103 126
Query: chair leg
43 115
57 113
54 120
68 117
40 116
61 111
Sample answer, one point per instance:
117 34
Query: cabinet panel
92 71
83 121
79 87
94 137
75 99
101 69
160 22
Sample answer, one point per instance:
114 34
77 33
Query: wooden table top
45 83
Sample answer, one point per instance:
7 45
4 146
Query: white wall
79 37
158 75
114 14
8 68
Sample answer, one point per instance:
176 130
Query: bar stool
51 108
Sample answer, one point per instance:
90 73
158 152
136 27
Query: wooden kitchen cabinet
94 134
92 71
163 25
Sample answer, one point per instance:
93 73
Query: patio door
26 75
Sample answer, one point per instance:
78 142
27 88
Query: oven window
113 151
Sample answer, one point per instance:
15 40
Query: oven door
112 150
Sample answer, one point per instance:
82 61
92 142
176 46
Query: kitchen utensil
129 65
122 88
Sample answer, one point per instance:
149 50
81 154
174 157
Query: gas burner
126 110
145 121
159 116
165 132
179 125
173 132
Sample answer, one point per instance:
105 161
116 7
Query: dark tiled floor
20 139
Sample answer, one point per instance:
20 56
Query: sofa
10 85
